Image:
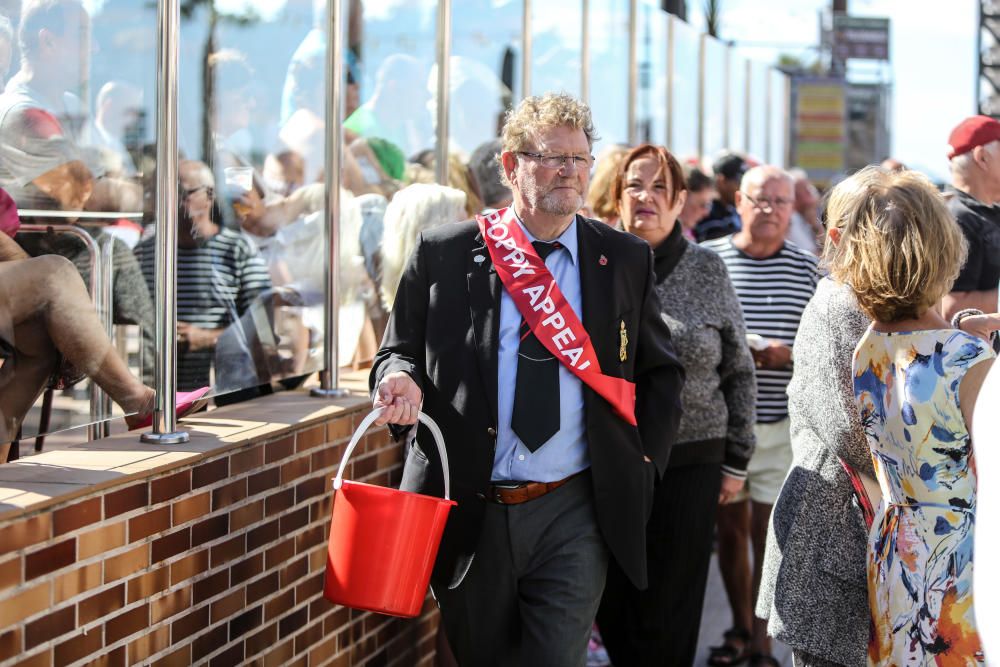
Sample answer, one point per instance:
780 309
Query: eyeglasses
768 205
578 162
209 191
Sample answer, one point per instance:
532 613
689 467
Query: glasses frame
578 162
766 205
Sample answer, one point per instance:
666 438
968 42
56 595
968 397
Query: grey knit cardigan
813 591
706 324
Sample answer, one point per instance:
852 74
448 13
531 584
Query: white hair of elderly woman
412 210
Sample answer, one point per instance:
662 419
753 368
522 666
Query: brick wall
218 560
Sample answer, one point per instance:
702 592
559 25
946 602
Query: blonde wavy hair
534 114
600 201
900 249
414 209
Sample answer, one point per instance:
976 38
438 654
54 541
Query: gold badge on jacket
622 351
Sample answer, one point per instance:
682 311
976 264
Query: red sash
543 306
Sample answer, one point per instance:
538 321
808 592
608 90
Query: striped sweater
773 292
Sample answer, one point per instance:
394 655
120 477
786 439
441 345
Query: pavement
716 618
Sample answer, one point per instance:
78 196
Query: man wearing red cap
974 152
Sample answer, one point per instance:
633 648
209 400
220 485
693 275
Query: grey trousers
532 591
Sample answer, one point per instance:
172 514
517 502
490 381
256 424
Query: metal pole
768 158
168 57
101 397
443 90
526 56
702 48
330 377
633 68
726 95
747 83
585 54
671 19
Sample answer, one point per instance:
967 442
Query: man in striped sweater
774 280
219 274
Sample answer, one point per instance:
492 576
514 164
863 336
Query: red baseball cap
971 132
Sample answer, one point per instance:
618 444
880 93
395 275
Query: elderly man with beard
532 336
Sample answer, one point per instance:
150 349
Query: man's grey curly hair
537 113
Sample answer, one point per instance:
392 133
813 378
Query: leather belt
522 493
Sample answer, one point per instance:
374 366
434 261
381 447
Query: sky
932 68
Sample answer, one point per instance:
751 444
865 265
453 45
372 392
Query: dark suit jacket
444 332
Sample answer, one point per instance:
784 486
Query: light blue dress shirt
565 453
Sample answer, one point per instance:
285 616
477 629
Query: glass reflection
486 53
684 110
716 56
73 132
251 196
737 102
556 42
389 144
651 59
609 71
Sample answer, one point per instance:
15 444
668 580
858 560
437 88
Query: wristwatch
956 319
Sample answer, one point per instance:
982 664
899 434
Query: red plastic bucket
383 542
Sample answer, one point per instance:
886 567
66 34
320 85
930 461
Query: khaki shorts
769 464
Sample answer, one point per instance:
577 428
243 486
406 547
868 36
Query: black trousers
659 626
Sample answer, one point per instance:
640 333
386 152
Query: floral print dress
920 547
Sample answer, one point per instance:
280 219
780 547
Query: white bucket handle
363 427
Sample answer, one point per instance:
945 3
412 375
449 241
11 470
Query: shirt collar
567 238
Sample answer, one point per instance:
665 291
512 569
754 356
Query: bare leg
760 517
734 561
22 381
48 307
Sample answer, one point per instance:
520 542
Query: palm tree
188 9
713 16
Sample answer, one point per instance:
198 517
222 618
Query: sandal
763 660
729 653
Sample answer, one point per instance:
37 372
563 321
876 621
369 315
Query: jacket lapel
484 304
596 283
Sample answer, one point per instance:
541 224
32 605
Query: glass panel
75 127
651 101
737 101
684 110
609 71
250 137
757 141
556 40
779 129
716 60
486 57
389 145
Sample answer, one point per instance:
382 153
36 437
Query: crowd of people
637 360
813 404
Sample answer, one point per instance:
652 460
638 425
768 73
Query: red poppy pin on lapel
603 261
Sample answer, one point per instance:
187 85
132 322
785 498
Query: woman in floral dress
915 381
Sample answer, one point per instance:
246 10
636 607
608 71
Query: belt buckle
497 497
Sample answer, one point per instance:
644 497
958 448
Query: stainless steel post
167 61
633 69
526 55
768 158
101 400
330 377
702 79
443 89
585 53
